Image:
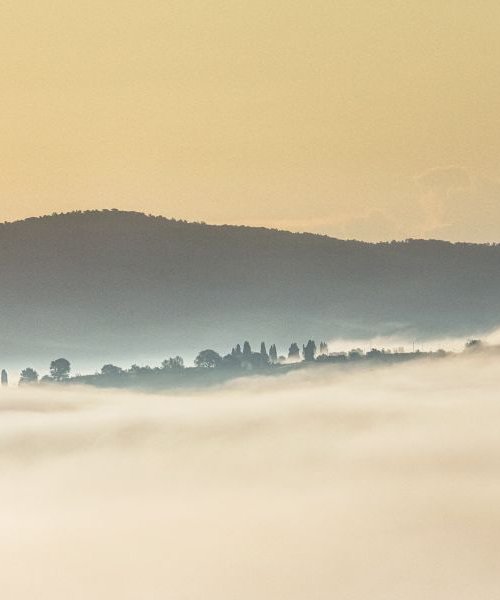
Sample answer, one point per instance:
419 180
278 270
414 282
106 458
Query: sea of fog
380 484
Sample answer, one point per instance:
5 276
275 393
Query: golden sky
373 119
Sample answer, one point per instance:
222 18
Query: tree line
241 357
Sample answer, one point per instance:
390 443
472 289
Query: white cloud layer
354 484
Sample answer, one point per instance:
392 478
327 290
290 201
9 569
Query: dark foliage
28 376
309 351
60 369
208 359
294 352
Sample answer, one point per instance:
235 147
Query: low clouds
458 205
444 179
376 225
449 202
326 483
437 191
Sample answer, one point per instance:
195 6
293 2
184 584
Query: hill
104 285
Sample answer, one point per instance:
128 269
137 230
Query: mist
327 483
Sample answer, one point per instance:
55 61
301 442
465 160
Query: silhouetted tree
247 349
138 370
294 352
28 375
474 345
60 369
238 350
174 363
111 370
309 351
273 354
4 378
208 359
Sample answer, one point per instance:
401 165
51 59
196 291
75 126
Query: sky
370 120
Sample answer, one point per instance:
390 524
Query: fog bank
322 484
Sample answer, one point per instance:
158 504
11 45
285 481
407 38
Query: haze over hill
99 286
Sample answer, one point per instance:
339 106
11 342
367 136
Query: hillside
120 285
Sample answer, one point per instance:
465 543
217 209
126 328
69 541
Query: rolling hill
111 285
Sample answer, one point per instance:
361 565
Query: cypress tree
273 354
309 351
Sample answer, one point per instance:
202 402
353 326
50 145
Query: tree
309 351
4 378
208 359
474 345
27 376
138 370
323 348
247 349
60 369
111 370
263 351
294 352
273 354
173 363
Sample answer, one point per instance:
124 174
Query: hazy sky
362 119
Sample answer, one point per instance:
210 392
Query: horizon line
93 211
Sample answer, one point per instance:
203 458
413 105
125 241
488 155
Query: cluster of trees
246 358
240 357
60 370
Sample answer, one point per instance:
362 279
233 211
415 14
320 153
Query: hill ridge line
110 212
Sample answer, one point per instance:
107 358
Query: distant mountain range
111 285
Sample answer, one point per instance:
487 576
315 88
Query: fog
416 341
325 483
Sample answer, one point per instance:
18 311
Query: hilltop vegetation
211 368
